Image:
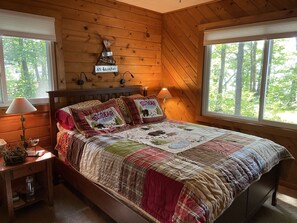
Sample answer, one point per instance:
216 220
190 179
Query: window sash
267 49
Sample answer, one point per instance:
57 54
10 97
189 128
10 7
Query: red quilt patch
160 195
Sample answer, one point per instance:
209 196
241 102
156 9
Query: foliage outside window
26 68
255 80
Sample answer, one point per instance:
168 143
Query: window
25 56
26 67
254 80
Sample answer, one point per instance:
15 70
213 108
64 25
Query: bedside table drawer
29 169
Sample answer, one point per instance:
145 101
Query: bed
173 171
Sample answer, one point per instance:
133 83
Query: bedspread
195 182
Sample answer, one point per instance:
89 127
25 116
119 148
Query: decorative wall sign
106 69
105 62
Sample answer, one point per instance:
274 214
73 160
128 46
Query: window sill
246 126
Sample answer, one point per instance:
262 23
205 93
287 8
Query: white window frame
24 25
244 119
51 70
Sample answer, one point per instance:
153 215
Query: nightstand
13 182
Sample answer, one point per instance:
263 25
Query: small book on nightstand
37 153
15 196
18 203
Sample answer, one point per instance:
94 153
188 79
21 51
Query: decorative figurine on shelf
33 143
30 192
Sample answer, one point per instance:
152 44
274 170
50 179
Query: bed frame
241 210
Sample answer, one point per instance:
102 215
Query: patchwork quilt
174 171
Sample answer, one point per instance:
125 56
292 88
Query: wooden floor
284 212
70 207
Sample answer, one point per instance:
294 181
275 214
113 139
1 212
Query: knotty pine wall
136 35
182 63
80 27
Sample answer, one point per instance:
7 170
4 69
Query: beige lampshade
20 106
164 93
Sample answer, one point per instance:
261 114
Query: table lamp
21 106
164 94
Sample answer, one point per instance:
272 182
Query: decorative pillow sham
144 109
124 109
98 119
64 117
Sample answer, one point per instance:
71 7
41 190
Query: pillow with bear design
145 109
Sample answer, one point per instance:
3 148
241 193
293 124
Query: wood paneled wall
36 124
135 35
81 25
138 36
182 63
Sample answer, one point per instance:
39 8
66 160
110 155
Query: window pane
26 67
281 103
235 78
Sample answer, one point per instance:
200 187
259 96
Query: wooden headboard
61 98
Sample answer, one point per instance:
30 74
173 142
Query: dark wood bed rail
60 98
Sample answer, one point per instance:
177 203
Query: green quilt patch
125 147
160 141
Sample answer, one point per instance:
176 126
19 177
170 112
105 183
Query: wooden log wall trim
183 59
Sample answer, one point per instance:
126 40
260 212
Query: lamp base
26 144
